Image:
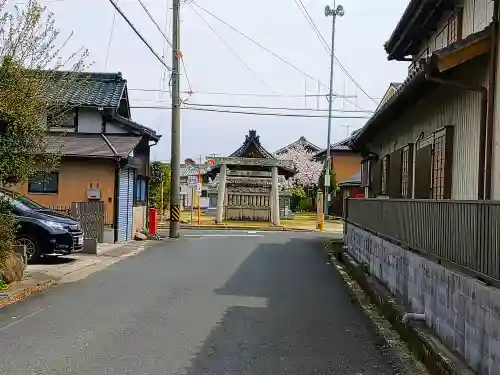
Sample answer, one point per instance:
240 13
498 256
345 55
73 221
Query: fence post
345 215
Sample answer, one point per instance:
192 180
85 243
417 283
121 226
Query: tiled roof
302 141
353 180
91 145
252 140
343 145
192 169
94 89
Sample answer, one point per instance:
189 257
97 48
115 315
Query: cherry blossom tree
307 169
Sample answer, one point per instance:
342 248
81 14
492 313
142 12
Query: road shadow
309 326
53 260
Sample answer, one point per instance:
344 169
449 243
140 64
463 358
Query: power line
267 49
186 74
275 108
231 49
253 113
328 49
110 39
154 21
266 107
139 34
246 94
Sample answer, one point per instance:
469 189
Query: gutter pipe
491 101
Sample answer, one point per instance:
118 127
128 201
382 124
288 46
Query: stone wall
462 311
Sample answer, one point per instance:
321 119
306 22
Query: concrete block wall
463 312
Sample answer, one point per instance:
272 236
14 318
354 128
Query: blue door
125 203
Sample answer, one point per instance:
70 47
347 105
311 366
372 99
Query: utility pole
338 11
175 158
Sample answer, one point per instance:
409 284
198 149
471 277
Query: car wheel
32 248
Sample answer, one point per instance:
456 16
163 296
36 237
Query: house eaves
416 24
352 181
134 126
343 145
416 86
92 145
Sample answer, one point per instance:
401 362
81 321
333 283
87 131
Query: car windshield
20 201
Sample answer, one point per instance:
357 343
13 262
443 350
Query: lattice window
405 172
438 167
453 29
385 175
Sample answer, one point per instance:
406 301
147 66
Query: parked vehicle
43 231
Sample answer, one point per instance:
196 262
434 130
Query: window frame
405 172
438 166
74 125
141 190
43 190
366 173
384 175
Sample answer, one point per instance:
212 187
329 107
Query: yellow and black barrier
175 213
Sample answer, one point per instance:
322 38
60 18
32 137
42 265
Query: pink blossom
307 169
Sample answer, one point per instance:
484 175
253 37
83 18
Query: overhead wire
163 70
243 94
110 39
115 5
187 77
311 22
231 49
251 113
154 22
266 107
267 49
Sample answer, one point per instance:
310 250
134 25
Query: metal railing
466 233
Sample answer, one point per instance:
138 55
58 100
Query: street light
334 12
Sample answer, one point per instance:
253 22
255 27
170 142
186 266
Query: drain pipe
415 144
413 316
491 100
428 68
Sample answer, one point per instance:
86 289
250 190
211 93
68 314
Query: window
438 167
141 190
62 118
365 173
440 39
405 172
46 183
385 175
453 29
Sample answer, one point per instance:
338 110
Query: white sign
198 189
192 181
327 180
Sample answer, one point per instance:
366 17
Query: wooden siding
476 15
345 165
75 177
445 106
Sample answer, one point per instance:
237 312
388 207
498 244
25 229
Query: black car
43 231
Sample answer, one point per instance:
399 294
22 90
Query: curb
426 347
229 227
7 298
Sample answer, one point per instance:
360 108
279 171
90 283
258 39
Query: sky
213 67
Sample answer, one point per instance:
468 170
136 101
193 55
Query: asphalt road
211 303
